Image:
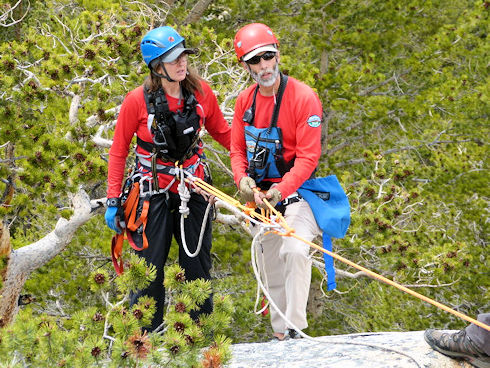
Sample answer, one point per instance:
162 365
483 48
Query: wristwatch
113 202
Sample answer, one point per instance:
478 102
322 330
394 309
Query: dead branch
7 19
386 81
197 11
408 148
156 14
25 260
75 104
339 272
8 193
95 119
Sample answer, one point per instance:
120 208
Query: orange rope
393 283
290 232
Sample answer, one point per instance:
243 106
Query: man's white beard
267 82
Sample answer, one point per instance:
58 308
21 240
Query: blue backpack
331 209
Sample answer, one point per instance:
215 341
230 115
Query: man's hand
247 186
273 196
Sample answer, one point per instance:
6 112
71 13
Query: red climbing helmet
252 37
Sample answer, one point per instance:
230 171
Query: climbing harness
136 200
175 134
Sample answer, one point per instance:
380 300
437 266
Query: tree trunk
197 11
323 63
23 261
5 248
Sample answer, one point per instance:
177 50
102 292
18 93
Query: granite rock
366 350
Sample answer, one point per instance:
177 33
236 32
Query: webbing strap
275 114
133 225
130 207
329 265
116 252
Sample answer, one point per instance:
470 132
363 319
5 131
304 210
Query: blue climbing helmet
164 43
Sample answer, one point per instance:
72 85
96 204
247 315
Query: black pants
163 222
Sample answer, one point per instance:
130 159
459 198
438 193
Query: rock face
365 350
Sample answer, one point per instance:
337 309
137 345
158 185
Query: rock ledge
387 350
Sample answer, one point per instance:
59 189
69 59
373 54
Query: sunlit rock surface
367 350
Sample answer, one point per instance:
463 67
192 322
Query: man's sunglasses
266 56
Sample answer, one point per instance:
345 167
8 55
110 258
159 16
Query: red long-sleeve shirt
299 120
133 119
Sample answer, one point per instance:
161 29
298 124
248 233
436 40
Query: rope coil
185 197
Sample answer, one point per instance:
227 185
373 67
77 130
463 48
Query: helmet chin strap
166 76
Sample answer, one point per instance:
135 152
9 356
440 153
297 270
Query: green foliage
406 97
136 277
93 335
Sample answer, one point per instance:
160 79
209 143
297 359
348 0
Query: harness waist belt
147 146
161 169
292 199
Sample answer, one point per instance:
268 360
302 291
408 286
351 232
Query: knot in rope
184 194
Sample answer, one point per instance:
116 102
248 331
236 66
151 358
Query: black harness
175 134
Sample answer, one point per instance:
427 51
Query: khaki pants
285 266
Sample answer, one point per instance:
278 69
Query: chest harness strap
264 145
175 134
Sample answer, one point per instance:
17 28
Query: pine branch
409 148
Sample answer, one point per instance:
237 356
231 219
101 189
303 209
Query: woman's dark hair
191 83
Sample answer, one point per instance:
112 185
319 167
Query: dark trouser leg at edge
471 343
199 266
159 234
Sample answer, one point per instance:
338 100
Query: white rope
269 298
266 292
257 298
185 196
292 325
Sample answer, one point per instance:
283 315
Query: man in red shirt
166 114
275 145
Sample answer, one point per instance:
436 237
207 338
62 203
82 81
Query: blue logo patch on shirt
250 146
314 121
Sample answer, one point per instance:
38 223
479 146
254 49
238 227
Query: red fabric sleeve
303 109
215 123
133 110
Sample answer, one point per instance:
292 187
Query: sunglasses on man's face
266 56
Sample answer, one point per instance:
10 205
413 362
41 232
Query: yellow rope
288 231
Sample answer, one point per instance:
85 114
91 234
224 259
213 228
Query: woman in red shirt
166 114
